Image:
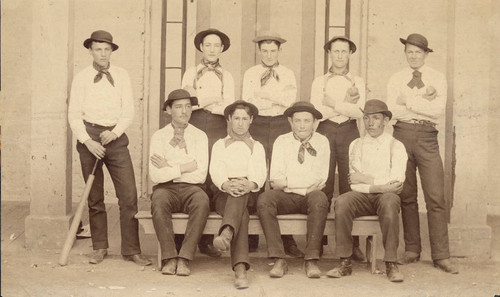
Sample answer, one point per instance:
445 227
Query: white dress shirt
383 158
237 160
336 87
283 93
197 150
100 103
417 107
209 86
299 177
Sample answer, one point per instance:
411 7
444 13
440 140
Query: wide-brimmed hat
268 35
376 106
300 106
198 39
177 95
352 46
254 111
417 40
101 36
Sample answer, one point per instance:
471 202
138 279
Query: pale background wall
380 54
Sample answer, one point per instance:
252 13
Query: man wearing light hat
339 95
299 169
178 166
238 170
272 88
377 164
417 96
214 87
101 108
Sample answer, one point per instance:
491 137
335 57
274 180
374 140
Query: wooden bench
295 224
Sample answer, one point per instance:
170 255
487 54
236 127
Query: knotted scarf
416 80
304 145
178 139
233 137
270 72
102 70
210 66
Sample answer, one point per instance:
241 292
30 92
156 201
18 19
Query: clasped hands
237 187
97 149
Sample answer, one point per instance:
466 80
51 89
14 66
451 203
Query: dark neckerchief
233 137
270 72
103 70
304 145
210 66
416 80
178 139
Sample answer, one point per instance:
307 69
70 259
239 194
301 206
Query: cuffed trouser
276 202
340 137
352 204
265 129
423 153
168 198
119 165
234 212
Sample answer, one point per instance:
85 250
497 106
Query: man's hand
359 178
395 187
352 95
107 136
95 148
314 187
278 184
245 186
159 162
237 187
401 100
189 167
430 93
328 101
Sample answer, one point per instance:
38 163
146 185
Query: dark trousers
352 204
423 153
168 198
119 165
235 213
340 137
265 129
276 202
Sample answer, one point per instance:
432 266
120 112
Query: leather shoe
393 272
240 276
446 265
138 259
209 250
344 269
169 267
409 257
97 256
357 255
312 269
280 268
182 267
223 241
293 251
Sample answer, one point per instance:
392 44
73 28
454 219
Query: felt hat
101 36
352 46
417 40
376 106
177 95
198 39
254 111
268 35
300 106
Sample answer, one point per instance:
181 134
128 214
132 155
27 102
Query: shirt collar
378 140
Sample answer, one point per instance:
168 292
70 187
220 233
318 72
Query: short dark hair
240 106
342 40
269 41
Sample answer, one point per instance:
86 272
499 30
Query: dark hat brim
168 102
198 39
231 107
425 48
385 112
352 45
88 42
301 108
269 37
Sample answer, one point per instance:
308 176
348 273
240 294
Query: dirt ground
36 273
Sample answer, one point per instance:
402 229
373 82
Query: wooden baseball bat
70 238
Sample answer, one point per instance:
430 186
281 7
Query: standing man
417 96
272 88
377 164
214 87
339 95
178 166
101 108
238 169
299 169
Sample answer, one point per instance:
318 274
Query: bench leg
159 256
371 252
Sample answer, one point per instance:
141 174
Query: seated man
299 169
238 170
377 165
178 165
